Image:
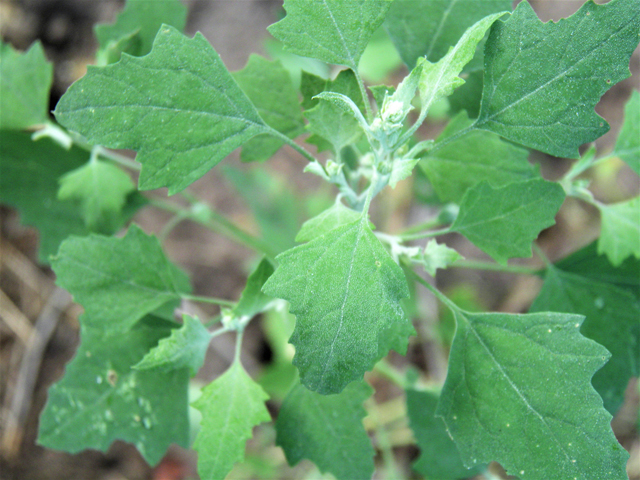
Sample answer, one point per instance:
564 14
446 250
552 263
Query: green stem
239 335
169 226
213 321
387 370
292 144
365 97
433 223
439 295
214 300
416 236
496 267
218 332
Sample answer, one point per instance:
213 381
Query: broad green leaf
253 301
587 263
439 457
101 398
184 348
231 406
328 430
542 80
620 230
333 31
296 65
274 207
268 86
504 221
345 291
178 107
25 80
333 217
468 96
518 392
470 159
440 79
117 280
101 190
310 86
628 143
612 320
332 122
437 255
138 25
29 173
429 28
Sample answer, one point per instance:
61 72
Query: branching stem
216 301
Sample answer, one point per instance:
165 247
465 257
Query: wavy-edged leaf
628 143
612 320
333 31
543 80
472 158
429 28
179 107
118 280
620 230
333 217
231 406
504 221
25 80
101 398
268 85
328 430
345 291
518 392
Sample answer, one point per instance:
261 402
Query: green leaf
380 58
439 457
440 79
138 25
518 392
620 230
469 95
25 80
29 173
253 301
332 122
100 188
437 256
184 348
612 320
101 398
330 30
328 430
117 280
333 217
231 406
504 221
478 156
345 291
628 144
269 87
428 29
542 80
178 107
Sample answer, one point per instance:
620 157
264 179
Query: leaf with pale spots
122 403
518 391
345 291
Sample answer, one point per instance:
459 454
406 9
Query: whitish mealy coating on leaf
345 291
518 391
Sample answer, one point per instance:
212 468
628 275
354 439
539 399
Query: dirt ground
39 328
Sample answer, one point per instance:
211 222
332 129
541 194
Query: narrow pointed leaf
101 398
333 217
333 31
518 392
543 80
268 85
439 456
612 320
345 291
328 430
118 280
184 348
181 92
504 221
231 406
472 158
25 80
100 188
140 19
429 28
628 143
620 230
